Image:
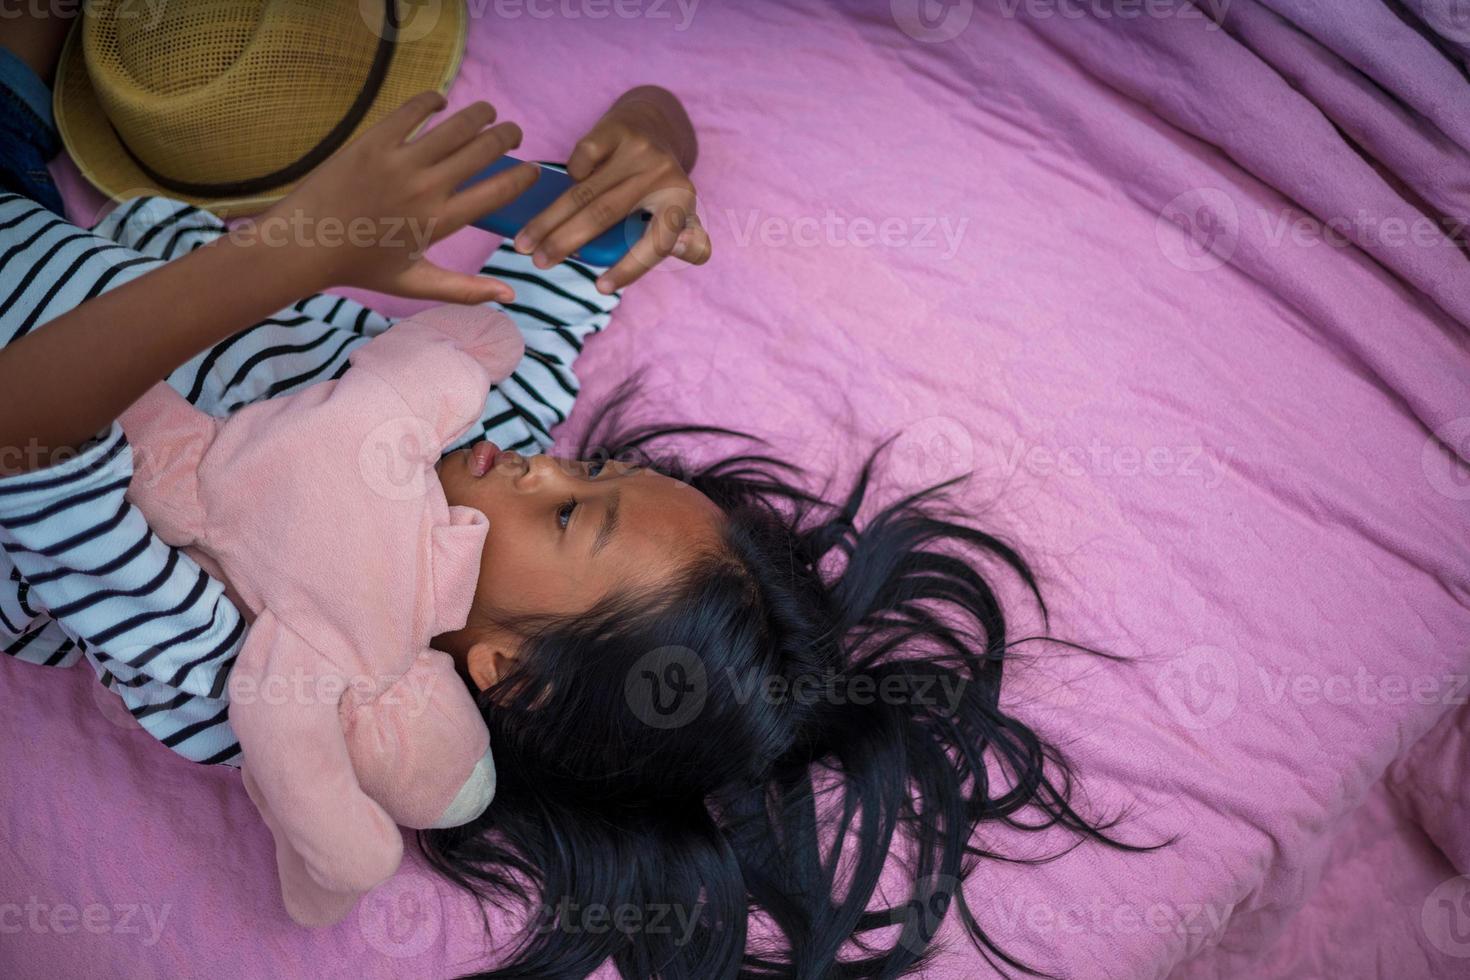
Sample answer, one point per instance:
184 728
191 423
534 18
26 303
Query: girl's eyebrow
609 521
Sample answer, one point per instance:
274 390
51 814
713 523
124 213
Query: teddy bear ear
457 547
503 347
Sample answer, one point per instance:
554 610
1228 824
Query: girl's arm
362 218
66 381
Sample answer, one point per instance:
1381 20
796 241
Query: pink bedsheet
1224 469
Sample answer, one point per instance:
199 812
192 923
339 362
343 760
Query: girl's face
565 533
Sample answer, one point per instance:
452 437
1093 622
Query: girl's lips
482 457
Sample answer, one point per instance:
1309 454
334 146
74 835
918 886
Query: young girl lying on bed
697 678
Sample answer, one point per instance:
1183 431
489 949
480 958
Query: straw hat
227 104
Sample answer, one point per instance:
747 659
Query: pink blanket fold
1087 259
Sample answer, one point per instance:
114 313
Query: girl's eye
564 514
595 467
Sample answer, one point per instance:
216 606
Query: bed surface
1077 257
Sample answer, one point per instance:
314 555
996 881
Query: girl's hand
638 156
362 218
365 216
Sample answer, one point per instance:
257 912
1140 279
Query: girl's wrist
276 253
251 279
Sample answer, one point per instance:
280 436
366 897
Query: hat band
305 163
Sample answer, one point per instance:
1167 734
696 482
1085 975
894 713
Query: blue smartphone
606 249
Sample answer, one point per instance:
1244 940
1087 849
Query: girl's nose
513 462
536 469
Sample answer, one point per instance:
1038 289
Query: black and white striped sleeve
82 572
557 310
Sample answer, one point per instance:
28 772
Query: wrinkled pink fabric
1135 265
322 512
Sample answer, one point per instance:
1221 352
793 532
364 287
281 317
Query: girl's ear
486 662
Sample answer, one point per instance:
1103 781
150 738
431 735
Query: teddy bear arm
169 438
441 772
334 842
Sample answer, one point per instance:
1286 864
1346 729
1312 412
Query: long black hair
708 782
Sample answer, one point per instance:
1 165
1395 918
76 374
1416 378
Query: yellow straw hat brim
428 60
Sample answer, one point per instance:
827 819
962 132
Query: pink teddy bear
322 513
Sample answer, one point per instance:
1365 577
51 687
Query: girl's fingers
693 245
480 199
604 212
657 243
425 280
475 155
572 201
398 124
451 134
590 151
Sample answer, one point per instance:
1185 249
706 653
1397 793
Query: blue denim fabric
28 136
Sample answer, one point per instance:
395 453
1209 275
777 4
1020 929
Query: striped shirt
82 577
